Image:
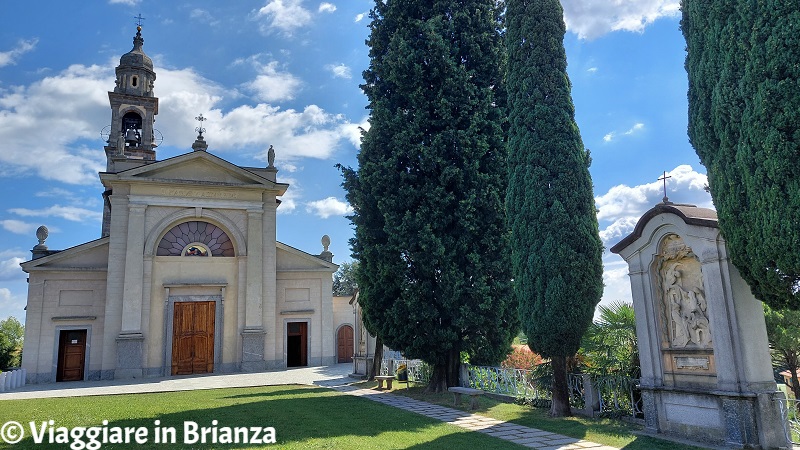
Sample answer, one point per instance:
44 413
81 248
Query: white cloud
23 46
19 227
592 69
290 199
55 192
592 19
352 131
40 124
327 207
339 71
327 7
50 128
201 15
272 85
620 210
124 2
284 15
9 264
71 213
636 128
360 17
616 281
12 305
622 206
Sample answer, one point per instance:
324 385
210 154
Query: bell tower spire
131 141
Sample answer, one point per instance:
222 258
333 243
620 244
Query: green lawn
303 417
604 431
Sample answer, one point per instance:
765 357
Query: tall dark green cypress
743 63
556 247
430 231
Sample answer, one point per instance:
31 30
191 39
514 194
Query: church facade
187 276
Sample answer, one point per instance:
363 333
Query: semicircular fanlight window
177 239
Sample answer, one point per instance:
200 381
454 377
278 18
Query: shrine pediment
292 259
198 167
90 256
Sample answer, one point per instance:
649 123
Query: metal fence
610 395
521 383
790 419
417 369
618 396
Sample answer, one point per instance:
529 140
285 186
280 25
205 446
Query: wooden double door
193 338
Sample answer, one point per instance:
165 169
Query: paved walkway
518 434
335 377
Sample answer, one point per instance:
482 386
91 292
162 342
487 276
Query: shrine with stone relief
706 372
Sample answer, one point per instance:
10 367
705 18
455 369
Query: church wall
198 276
117 246
342 313
273 359
300 298
61 301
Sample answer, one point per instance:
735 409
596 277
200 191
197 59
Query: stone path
518 434
335 377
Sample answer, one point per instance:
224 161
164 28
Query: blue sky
286 73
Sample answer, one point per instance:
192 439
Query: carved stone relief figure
682 295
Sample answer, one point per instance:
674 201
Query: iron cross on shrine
664 177
139 19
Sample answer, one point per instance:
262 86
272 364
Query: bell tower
131 140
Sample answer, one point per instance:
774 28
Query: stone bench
387 378
473 394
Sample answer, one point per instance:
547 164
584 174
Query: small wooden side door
71 355
297 344
344 344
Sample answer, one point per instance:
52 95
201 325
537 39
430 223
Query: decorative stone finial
40 249
41 234
271 157
326 255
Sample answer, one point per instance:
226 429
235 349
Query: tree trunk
560 388
795 384
376 360
447 374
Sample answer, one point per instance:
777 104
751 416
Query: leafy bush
521 357
11 332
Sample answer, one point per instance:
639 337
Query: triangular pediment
197 167
91 256
292 259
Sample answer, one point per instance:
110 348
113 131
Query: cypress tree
743 63
429 220
556 247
